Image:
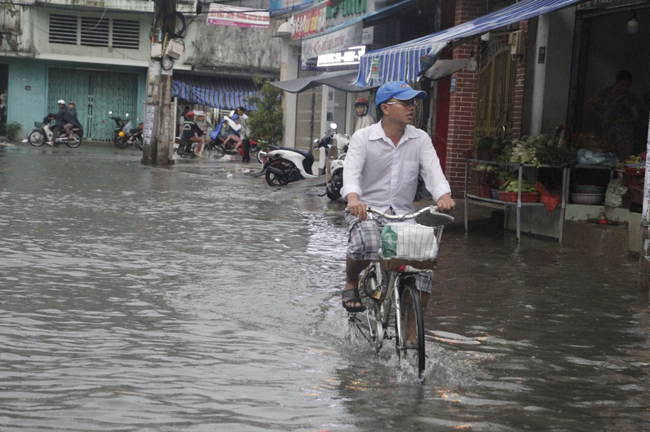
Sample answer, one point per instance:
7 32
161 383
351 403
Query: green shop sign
348 7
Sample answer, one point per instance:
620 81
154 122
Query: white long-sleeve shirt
385 175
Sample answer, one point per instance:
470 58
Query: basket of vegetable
508 191
540 150
526 197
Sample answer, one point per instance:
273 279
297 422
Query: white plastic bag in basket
416 242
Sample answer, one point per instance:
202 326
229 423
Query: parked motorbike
338 144
125 135
285 165
42 133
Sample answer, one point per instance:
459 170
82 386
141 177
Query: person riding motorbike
192 132
364 119
70 119
244 134
59 121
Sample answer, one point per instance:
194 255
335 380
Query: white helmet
61 101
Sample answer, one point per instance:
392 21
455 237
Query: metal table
505 205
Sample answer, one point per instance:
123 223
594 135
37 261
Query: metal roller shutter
95 94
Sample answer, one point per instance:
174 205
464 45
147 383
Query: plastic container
636 194
495 193
589 189
631 178
634 170
526 197
587 198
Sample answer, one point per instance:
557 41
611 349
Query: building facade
97 55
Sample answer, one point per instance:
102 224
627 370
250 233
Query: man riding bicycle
381 170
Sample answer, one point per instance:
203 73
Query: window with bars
94 31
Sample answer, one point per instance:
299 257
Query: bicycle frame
379 295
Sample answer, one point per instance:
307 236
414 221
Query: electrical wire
181 34
100 20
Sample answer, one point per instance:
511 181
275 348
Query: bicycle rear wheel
409 327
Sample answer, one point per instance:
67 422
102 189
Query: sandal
352 296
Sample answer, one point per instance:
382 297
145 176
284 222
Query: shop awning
216 92
443 68
402 62
341 80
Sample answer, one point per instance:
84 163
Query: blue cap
398 90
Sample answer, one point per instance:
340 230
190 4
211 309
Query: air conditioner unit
174 49
516 42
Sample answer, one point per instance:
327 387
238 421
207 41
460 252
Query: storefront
35 86
610 37
342 35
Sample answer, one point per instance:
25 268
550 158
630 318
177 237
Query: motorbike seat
304 153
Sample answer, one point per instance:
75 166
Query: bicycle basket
412 244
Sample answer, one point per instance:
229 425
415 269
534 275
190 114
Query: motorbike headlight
121 134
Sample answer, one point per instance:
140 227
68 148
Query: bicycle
391 281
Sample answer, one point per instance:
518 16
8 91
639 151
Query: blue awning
216 92
402 62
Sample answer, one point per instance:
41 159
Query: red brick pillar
518 103
462 104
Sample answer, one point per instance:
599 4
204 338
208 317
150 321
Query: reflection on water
136 298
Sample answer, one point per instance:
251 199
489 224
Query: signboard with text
310 22
281 7
350 56
374 68
233 16
339 40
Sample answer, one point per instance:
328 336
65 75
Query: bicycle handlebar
432 209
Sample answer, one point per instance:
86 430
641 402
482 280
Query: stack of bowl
587 194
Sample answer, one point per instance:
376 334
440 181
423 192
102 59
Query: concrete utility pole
159 120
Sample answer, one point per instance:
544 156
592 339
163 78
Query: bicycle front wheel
409 325
368 325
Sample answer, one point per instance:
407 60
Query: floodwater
197 298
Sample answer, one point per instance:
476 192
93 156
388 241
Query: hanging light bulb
633 25
472 65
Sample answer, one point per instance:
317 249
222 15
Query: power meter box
516 42
156 50
174 49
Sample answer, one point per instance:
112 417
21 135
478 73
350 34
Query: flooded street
197 298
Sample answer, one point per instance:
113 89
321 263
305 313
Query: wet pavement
198 298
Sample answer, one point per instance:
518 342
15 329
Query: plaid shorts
364 243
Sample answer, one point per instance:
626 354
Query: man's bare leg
352 270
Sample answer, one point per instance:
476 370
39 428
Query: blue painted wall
26 106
